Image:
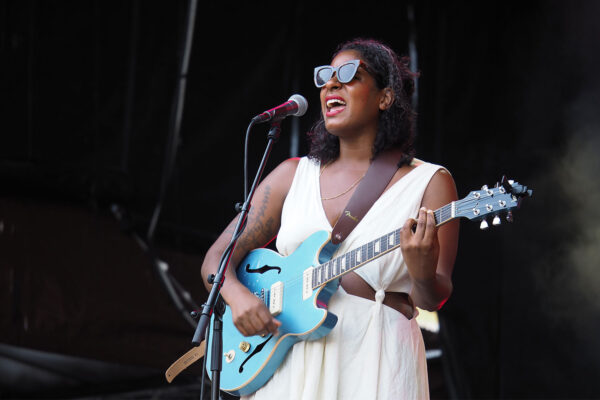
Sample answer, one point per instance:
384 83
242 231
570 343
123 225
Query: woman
376 350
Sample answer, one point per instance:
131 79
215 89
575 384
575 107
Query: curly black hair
396 126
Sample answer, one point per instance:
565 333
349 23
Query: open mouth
335 105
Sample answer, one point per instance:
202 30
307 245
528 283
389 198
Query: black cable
246 159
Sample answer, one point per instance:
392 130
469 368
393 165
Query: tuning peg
484 187
496 221
509 216
506 183
484 225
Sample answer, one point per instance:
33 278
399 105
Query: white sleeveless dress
373 352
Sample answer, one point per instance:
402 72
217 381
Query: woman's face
351 108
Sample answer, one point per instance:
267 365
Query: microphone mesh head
302 104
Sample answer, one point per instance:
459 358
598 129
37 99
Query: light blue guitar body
245 372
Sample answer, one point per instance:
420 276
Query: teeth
335 102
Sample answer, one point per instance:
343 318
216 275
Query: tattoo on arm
260 227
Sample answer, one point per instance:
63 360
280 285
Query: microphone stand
215 303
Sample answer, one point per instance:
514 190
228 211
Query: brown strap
193 355
378 176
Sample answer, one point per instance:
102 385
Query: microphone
296 105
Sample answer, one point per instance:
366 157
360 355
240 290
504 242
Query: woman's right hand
250 315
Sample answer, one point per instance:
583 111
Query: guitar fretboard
368 252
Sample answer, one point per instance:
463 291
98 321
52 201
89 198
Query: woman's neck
356 150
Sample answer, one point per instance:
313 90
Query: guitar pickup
276 298
307 280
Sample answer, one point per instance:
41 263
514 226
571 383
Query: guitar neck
356 258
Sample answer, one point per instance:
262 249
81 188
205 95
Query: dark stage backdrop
88 90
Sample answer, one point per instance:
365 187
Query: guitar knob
484 225
496 221
244 346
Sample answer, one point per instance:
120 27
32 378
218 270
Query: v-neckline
320 201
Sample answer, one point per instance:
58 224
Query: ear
387 99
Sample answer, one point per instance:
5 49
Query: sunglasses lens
346 72
322 75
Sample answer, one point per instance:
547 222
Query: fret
444 214
438 216
335 264
384 243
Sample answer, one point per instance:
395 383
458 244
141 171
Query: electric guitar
297 288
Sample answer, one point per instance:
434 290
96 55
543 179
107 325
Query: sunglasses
345 72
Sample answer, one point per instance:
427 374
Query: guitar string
465 203
442 213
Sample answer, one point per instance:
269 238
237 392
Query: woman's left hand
421 247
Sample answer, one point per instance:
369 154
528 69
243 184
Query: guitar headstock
479 205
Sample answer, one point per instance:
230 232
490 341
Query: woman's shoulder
441 188
288 167
436 169
282 176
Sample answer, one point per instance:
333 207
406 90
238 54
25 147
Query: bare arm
249 314
430 252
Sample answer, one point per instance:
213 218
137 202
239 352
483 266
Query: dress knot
379 295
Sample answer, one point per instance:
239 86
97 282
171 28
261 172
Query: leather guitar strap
378 176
